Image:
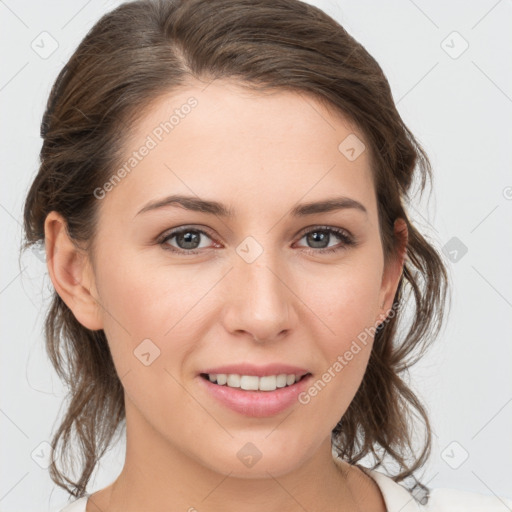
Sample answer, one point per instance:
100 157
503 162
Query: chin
255 460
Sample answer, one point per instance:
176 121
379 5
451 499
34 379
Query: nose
260 302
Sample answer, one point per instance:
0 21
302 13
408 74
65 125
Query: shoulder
78 505
398 498
454 500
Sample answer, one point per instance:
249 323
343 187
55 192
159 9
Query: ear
393 271
71 272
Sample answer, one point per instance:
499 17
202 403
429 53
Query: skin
259 155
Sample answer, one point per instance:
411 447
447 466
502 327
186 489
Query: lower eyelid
345 238
163 240
343 245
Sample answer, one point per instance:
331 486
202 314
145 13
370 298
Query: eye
186 239
321 236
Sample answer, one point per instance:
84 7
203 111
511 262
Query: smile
253 382
255 396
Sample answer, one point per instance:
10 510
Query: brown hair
145 48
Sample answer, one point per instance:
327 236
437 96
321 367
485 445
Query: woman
222 198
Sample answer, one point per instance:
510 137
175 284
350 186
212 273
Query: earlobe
392 274
71 272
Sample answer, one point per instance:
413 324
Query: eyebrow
218 209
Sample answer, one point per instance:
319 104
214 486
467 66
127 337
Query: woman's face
270 289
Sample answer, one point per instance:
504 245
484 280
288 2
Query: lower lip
257 404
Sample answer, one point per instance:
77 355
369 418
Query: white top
398 499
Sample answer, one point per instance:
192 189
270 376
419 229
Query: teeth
249 382
254 383
233 380
281 380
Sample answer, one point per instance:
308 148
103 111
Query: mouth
255 396
265 383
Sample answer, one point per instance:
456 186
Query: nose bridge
260 302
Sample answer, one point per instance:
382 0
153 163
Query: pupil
318 239
189 238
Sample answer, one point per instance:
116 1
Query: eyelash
345 237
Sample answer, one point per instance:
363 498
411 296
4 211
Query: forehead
282 117
222 138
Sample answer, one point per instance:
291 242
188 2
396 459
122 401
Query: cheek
348 305
151 324
141 303
348 300
351 312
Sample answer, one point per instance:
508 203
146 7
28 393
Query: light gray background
459 107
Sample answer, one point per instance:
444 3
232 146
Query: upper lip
259 371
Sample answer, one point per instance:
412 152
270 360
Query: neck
157 475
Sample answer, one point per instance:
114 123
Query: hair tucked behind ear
146 48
